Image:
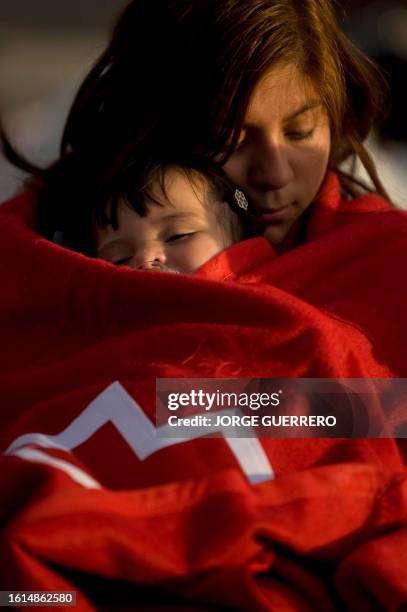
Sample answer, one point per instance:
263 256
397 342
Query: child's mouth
156 266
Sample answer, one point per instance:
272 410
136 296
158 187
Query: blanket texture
91 503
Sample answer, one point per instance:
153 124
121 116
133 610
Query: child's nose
154 266
149 257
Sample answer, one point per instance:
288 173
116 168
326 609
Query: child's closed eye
122 262
179 237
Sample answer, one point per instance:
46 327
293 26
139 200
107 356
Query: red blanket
91 502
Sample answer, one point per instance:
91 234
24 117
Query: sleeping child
179 219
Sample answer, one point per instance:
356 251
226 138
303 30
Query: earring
240 199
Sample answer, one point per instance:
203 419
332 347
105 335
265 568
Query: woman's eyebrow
303 109
309 105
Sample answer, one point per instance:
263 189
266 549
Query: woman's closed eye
299 134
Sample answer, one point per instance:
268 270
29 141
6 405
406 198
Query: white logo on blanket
115 405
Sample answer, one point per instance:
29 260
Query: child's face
178 236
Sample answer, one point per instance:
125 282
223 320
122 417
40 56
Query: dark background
47 46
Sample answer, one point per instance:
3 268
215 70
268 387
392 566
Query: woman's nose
271 168
149 257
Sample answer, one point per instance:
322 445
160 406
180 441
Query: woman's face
283 150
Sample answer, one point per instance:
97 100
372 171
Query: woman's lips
267 216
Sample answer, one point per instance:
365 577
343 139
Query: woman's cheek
234 169
312 167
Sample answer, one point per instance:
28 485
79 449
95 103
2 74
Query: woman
177 79
273 93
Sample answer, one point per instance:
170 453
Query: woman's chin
284 236
275 234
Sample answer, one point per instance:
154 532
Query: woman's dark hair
176 80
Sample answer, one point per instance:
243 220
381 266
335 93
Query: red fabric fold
183 524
